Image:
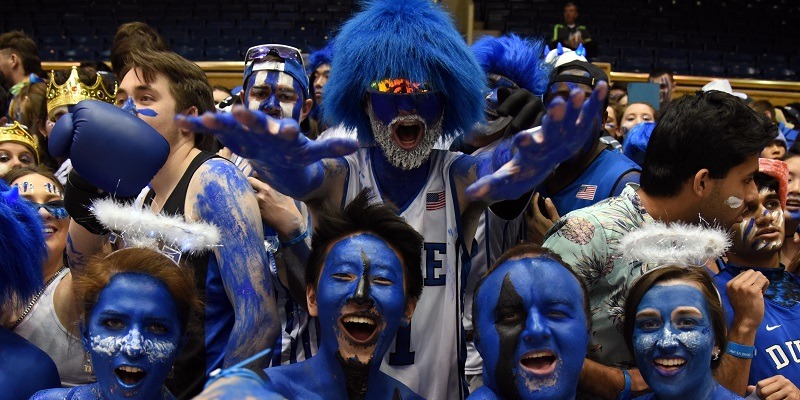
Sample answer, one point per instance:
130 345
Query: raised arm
219 194
282 156
520 163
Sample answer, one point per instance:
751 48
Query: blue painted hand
277 149
565 129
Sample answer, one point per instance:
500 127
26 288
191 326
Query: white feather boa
676 244
140 228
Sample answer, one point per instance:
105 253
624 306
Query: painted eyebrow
112 313
687 311
648 312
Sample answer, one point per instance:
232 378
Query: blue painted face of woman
360 298
673 340
531 329
133 336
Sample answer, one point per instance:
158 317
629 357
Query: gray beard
396 156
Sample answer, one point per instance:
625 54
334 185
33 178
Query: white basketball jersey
425 356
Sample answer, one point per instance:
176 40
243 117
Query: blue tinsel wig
22 247
518 59
410 39
319 57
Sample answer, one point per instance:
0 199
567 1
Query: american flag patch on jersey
586 192
434 200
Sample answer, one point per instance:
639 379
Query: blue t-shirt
605 177
778 337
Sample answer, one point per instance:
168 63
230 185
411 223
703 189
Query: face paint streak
509 335
133 345
147 112
734 202
746 228
362 290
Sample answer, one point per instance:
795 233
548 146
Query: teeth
48 230
669 362
539 354
130 369
359 320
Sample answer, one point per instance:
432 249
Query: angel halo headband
170 235
657 244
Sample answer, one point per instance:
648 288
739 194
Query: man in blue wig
319 70
25 369
404 80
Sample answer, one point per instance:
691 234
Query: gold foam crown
73 91
17 132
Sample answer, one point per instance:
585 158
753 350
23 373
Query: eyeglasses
399 86
258 53
55 208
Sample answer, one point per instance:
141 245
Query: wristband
740 351
296 240
625 394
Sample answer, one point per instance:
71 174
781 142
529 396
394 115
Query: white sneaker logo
772 328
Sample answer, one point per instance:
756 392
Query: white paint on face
397 156
734 202
133 344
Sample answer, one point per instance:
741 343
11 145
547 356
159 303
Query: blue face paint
130 106
387 106
133 336
673 340
532 329
360 298
274 93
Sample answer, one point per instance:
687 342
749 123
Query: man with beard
405 80
532 319
364 282
757 242
19 61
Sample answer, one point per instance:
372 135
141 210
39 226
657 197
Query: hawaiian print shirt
587 240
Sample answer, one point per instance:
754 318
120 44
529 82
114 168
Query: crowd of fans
394 215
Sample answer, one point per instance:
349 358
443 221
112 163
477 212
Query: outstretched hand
565 129
268 142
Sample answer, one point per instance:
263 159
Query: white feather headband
658 244
170 235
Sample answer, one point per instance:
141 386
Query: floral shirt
587 240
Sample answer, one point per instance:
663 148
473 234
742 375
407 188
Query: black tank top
189 375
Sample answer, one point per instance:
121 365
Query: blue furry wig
319 57
410 39
22 247
518 59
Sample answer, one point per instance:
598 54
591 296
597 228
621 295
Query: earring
171 373
87 364
715 355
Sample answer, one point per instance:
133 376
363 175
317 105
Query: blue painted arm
522 162
222 196
282 156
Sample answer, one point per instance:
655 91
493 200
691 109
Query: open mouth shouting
669 366
408 131
130 376
540 363
360 329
